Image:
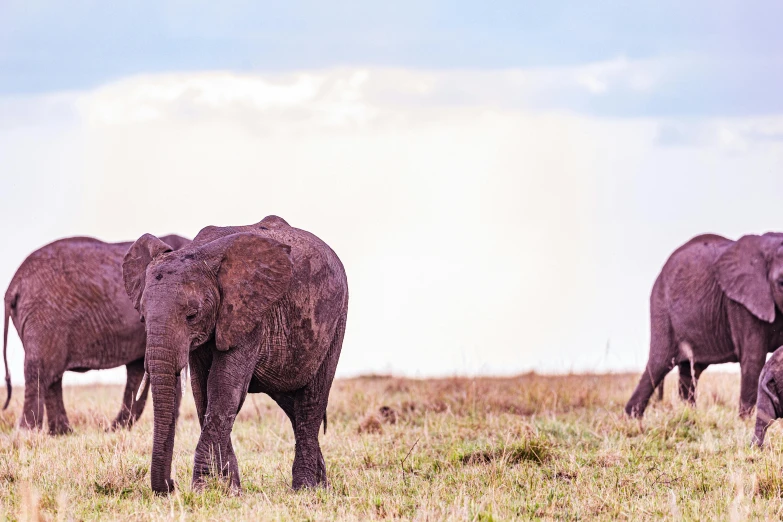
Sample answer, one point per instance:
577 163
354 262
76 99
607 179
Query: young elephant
257 308
68 303
715 301
768 403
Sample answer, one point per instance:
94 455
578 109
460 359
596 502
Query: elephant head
209 288
750 272
768 402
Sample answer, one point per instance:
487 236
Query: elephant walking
68 303
257 308
715 301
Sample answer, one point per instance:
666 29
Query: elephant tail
325 423
7 314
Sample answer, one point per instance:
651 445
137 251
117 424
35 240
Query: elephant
249 309
768 403
68 303
715 301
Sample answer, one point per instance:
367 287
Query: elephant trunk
765 415
164 393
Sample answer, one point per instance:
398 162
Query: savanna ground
529 447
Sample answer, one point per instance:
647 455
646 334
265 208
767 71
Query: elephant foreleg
55 409
200 361
227 384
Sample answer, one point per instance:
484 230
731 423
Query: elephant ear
254 273
134 266
742 274
771 388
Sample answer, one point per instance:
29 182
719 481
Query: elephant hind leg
663 351
659 390
55 409
689 378
687 388
35 389
653 375
286 403
131 409
309 469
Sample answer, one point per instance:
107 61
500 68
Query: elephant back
74 282
314 261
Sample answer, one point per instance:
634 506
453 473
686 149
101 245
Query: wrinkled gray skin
68 303
768 403
715 301
257 308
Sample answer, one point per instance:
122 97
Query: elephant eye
191 315
141 318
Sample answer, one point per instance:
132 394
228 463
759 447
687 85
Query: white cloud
730 140
326 99
337 97
641 75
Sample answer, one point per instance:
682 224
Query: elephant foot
164 489
60 429
309 469
320 475
200 484
298 485
634 412
317 480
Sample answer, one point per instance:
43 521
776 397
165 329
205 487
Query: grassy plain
528 447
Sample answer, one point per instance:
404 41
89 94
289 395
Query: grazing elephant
715 301
257 308
69 306
768 403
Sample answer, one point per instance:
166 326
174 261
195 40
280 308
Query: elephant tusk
183 379
142 385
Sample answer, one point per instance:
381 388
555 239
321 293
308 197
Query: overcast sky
502 184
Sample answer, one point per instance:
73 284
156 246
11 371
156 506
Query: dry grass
468 449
